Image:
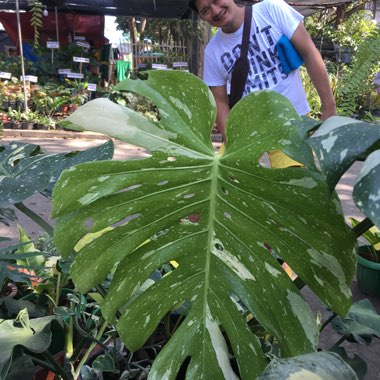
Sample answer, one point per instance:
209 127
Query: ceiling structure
151 8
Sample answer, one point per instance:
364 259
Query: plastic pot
368 276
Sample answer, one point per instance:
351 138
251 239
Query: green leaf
218 217
105 363
15 306
17 182
306 125
366 189
28 247
97 297
318 365
24 171
97 153
361 323
34 335
356 362
22 368
333 144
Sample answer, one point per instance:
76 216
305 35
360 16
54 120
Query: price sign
81 59
159 66
52 44
64 71
83 44
180 64
5 75
30 78
75 75
91 87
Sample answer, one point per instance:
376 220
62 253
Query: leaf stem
340 341
42 363
327 321
36 218
57 368
89 350
57 289
69 333
362 227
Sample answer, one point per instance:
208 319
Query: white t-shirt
271 19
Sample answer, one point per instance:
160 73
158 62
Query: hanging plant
36 8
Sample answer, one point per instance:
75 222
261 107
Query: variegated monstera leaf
341 141
240 213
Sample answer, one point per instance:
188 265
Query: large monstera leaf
24 170
341 141
220 217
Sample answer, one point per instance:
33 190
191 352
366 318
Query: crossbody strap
241 66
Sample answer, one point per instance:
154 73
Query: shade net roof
150 8
142 8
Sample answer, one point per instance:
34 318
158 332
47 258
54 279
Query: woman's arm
316 69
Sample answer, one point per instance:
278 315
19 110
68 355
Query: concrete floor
371 354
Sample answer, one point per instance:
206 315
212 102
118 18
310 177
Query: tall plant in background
36 8
356 84
351 32
351 84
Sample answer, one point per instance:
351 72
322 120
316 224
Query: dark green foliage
357 81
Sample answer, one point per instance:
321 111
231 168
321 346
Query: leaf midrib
213 203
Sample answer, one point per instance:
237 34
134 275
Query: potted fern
368 267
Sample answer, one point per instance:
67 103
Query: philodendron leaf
34 334
105 363
362 322
334 145
318 365
218 217
356 362
366 190
22 368
24 171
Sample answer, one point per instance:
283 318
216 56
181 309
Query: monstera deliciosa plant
224 219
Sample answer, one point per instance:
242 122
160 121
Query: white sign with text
81 59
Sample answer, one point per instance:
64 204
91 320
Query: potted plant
29 119
225 267
15 118
368 267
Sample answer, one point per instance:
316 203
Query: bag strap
241 66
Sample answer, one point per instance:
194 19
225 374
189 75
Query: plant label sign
180 64
75 75
64 71
159 66
5 75
30 78
80 38
81 59
91 87
52 44
83 44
